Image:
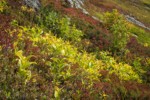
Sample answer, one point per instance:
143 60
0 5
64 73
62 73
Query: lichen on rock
77 4
33 4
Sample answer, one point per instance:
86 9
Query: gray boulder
136 22
33 4
77 4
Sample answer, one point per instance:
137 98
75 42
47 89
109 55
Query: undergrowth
44 57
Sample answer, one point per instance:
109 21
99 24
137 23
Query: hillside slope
74 49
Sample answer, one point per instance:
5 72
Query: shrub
118 27
124 71
3 6
59 66
60 26
24 64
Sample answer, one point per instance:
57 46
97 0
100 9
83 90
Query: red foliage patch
5 39
144 89
76 13
15 3
137 48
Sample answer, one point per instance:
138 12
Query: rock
33 4
70 3
136 22
77 4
